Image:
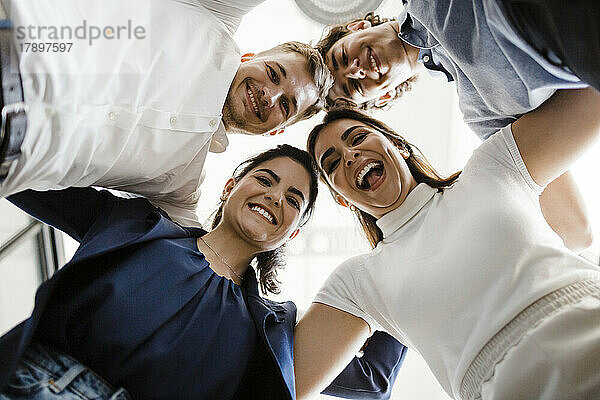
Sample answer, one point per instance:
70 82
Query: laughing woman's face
363 166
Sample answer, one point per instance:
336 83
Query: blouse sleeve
71 210
182 214
371 376
343 291
509 140
500 159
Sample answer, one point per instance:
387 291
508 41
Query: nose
270 95
274 198
350 156
355 71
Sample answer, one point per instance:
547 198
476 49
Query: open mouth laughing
252 100
370 175
263 212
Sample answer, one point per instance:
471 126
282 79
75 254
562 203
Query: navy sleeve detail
371 376
71 210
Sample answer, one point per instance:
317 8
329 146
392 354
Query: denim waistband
70 372
494 350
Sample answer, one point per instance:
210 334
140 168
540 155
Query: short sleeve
509 139
342 290
500 157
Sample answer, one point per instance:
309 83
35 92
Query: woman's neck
227 248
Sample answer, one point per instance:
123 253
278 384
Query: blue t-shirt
498 76
156 319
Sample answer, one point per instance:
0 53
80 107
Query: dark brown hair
269 262
333 33
418 165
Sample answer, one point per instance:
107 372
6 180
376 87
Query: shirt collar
414 33
219 141
413 203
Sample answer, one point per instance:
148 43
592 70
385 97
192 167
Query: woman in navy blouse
169 312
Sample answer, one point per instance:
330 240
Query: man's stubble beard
233 121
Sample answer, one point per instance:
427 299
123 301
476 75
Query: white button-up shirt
137 115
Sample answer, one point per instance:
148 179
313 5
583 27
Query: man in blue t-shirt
499 74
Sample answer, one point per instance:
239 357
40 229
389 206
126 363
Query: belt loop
64 381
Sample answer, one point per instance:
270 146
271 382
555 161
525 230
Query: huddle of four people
472 270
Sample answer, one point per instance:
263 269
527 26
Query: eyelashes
264 181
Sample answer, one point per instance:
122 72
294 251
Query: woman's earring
352 207
294 234
247 57
274 132
405 153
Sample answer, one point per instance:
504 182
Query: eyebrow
296 191
334 61
348 131
295 103
344 136
277 179
270 172
325 155
294 100
283 72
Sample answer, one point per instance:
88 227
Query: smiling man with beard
139 114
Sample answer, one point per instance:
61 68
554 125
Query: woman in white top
464 270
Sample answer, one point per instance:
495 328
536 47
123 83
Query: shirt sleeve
343 291
500 158
230 12
509 140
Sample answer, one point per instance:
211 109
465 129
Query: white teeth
361 175
374 64
263 212
252 100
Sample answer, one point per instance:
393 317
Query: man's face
369 62
268 91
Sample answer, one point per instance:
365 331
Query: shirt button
172 120
425 58
112 115
212 123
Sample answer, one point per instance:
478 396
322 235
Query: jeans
45 374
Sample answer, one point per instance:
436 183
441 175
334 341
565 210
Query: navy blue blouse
139 304
177 310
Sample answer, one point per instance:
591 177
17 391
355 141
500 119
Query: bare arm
554 135
325 341
565 211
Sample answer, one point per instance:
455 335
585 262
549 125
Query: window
30 252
